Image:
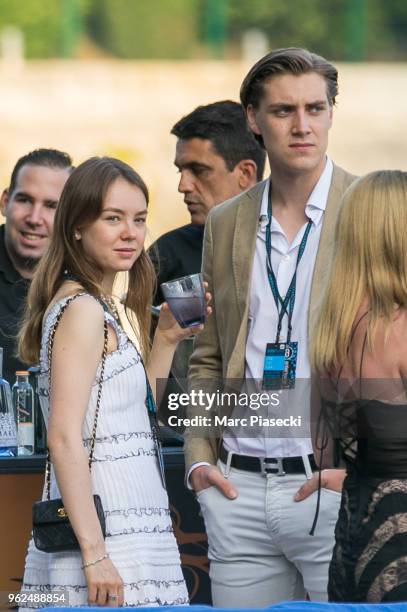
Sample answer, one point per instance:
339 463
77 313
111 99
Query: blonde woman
100 227
359 352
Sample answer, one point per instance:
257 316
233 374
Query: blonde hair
370 262
80 205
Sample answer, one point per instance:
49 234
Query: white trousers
260 549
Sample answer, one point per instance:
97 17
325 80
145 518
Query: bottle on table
8 430
23 401
39 425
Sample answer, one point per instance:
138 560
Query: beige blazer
229 244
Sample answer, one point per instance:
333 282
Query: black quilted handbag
52 531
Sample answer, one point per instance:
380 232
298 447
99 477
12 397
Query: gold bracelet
89 563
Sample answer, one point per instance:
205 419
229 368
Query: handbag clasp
62 512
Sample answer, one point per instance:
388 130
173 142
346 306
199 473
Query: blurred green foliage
43 22
174 29
144 29
314 24
340 29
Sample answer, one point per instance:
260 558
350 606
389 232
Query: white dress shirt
263 320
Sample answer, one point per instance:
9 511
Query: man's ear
246 172
3 202
251 120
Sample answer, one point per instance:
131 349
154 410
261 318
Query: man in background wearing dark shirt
217 157
28 206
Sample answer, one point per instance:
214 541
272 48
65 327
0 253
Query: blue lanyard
285 306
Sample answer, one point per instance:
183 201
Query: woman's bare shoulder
83 314
66 290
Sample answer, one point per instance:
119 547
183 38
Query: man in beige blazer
255 492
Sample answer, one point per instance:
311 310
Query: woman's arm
77 350
166 338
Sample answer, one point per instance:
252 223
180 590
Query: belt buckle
275 468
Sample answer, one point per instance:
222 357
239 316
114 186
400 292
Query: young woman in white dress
100 228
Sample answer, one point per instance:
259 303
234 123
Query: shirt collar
316 202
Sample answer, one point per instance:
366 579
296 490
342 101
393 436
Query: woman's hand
105 586
167 335
170 331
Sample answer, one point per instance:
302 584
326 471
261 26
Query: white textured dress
125 473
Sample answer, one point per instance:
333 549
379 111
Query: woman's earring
77 235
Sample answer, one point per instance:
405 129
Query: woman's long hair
80 205
370 261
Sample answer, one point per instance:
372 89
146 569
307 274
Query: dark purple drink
187 310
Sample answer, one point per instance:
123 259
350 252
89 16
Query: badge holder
280 364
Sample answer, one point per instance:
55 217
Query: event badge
280 364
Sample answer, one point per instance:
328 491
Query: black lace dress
362 425
369 562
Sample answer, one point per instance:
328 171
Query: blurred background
97 77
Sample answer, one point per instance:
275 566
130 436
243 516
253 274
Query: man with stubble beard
28 205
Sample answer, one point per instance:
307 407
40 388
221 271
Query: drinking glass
186 299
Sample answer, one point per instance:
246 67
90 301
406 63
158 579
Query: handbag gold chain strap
99 395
